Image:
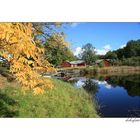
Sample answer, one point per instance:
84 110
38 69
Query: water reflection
117 96
91 86
131 83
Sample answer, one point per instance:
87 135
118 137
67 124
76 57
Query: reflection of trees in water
91 87
131 83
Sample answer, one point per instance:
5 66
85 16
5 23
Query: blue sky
103 36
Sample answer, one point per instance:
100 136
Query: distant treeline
128 55
132 49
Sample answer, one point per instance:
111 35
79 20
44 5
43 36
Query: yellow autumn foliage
25 58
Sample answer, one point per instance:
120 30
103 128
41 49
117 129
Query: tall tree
26 60
111 55
57 49
43 30
89 54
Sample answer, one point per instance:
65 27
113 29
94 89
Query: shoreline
112 70
63 101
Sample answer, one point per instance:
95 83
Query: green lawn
63 101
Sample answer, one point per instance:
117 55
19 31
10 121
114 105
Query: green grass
63 101
111 70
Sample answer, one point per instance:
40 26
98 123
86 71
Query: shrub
133 61
101 65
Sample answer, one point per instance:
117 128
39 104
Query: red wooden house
78 63
104 62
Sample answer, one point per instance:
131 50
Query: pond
117 96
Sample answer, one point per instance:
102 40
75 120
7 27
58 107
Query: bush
133 61
101 65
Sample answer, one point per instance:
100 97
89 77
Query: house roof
100 60
76 62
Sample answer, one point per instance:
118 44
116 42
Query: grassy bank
119 69
111 70
63 101
99 69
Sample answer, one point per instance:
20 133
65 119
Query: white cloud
122 46
77 51
74 24
101 52
105 49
